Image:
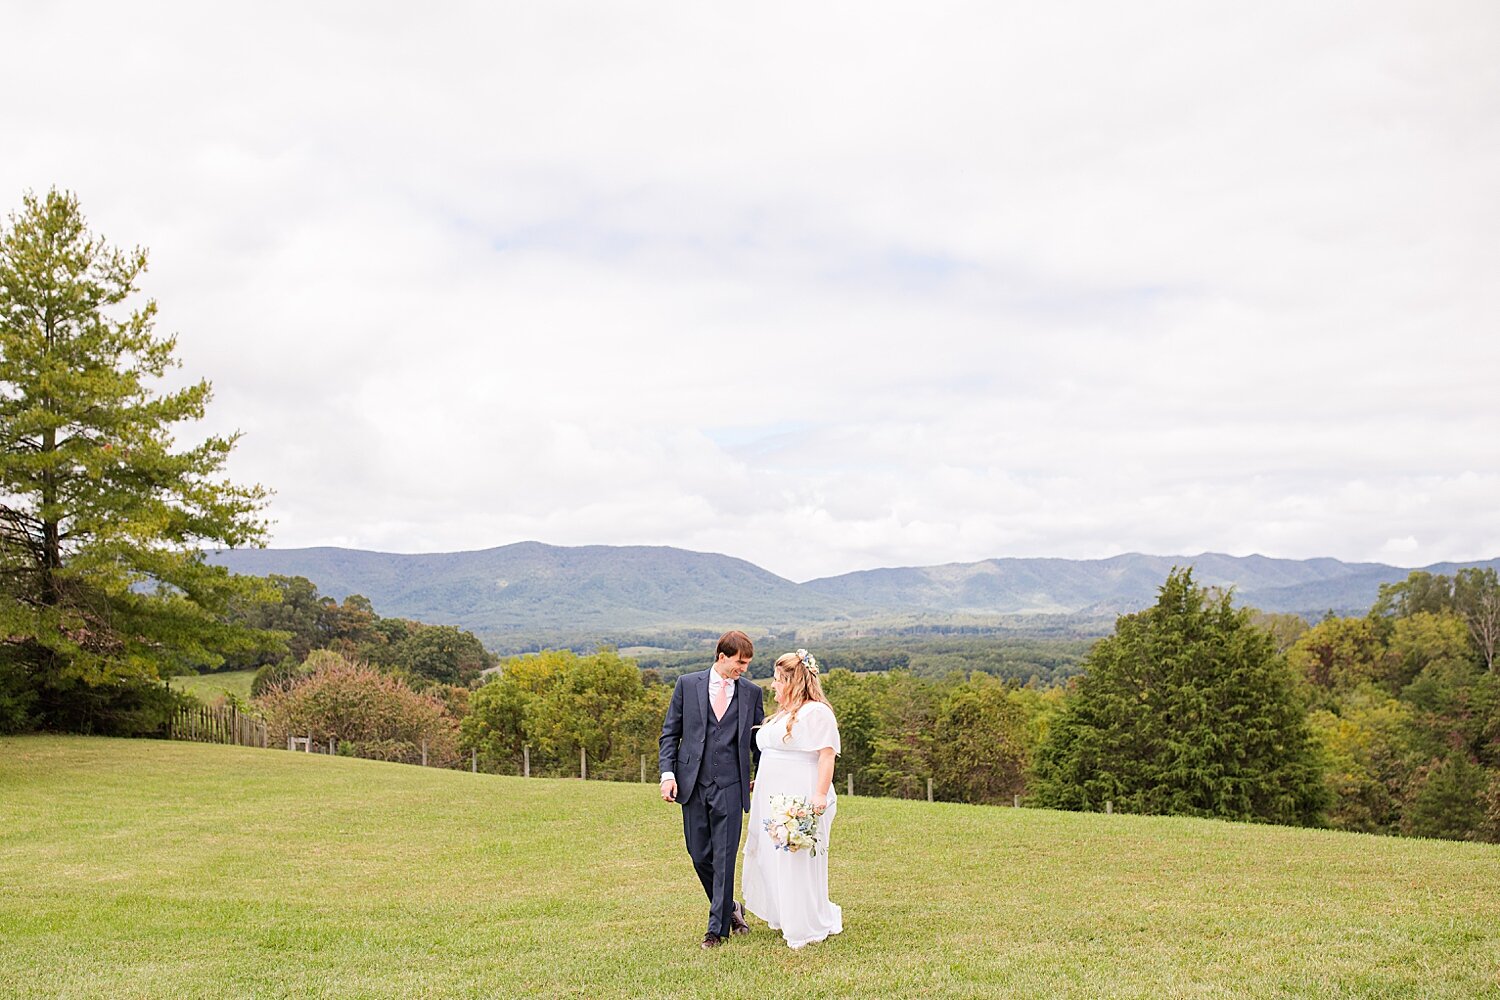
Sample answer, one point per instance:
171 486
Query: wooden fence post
851 784
309 741
424 753
289 744
1109 806
1015 800
929 789
526 762
474 760
583 763
643 769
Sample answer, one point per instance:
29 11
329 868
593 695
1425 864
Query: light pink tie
721 700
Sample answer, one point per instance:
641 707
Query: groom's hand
669 790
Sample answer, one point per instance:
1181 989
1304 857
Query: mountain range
533 591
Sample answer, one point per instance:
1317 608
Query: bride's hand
820 802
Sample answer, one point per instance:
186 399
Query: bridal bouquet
793 824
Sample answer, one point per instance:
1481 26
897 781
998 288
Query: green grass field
208 687
151 869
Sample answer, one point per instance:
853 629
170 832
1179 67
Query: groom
708 740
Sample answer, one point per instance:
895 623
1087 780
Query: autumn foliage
365 712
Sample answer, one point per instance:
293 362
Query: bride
789 889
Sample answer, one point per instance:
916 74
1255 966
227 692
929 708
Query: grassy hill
140 868
209 687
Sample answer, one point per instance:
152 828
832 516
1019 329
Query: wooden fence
218 725
227 725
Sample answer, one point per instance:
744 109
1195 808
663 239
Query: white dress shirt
715 682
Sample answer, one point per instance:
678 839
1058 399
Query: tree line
1386 723
1405 702
295 620
1023 659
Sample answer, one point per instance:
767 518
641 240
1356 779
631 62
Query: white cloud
824 287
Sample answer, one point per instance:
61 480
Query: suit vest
721 754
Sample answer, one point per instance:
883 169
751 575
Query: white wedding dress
789 889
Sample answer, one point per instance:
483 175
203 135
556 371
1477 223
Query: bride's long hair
800 672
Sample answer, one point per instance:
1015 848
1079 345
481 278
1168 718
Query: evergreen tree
101 520
1447 801
1186 709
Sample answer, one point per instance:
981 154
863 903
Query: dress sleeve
822 728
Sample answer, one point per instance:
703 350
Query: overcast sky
823 286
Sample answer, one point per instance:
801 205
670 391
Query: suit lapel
703 701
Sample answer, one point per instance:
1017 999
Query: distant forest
1024 660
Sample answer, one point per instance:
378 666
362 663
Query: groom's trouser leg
711 825
697 833
724 816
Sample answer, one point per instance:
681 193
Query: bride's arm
825 778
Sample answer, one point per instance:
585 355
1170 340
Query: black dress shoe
712 940
737 924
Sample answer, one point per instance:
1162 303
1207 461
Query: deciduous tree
1337 655
1476 597
980 751
557 703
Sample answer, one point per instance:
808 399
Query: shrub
16 696
369 713
1489 829
1447 800
273 675
127 707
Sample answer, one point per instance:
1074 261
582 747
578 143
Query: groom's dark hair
735 643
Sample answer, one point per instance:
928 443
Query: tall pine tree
102 584
1186 709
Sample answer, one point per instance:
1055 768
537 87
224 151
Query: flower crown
808 661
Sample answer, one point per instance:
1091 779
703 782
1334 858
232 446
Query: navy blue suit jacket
684 734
